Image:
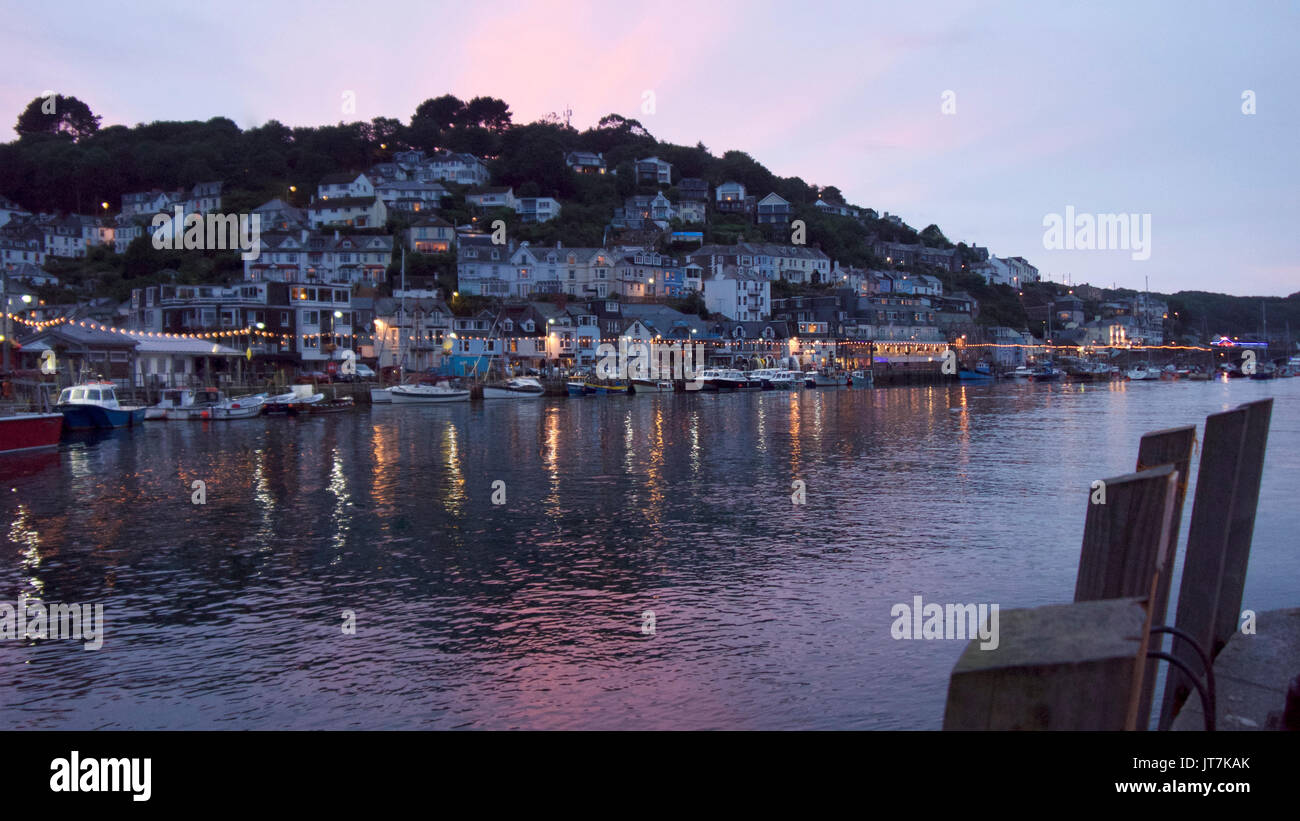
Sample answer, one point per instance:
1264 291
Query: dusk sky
1127 108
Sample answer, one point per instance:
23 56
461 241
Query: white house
738 294
411 195
538 209
341 186
494 198
356 212
729 192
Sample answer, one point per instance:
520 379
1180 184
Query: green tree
58 115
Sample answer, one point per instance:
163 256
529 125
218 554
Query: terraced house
308 256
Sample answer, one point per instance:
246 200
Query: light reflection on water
768 614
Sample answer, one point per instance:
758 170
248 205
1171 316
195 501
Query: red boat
30 431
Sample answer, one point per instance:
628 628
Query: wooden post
1218 540
1168 447
1059 667
1250 471
1127 544
1207 542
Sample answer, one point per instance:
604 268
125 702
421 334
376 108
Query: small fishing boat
576 387
179 404
519 387
640 386
237 407
29 431
824 378
1021 372
293 401
611 387
1142 374
1265 370
427 394
974 376
338 404
1046 373
93 405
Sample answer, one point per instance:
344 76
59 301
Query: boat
93 405
184 403
1265 370
772 379
1141 374
20 432
338 404
606 387
519 387
381 396
640 386
707 380
741 380
824 378
576 387
866 379
974 376
237 407
1021 372
292 402
427 394
1046 373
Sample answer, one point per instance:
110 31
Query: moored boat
21 432
640 386
427 394
236 407
338 404
519 387
93 405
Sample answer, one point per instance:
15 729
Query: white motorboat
427 394
1140 374
1022 372
771 379
184 403
291 402
519 387
237 407
381 396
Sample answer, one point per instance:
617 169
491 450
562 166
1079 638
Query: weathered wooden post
1059 667
1169 447
1218 540
1127 550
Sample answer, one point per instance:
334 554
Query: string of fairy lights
755 344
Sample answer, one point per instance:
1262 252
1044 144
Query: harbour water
531 613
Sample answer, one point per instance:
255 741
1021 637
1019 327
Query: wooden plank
1250 470
1126 538
1169 447
1207 543
1059 667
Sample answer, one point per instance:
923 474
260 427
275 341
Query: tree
442 112
487 112
57 115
